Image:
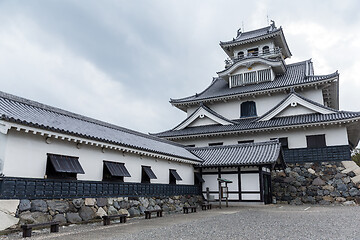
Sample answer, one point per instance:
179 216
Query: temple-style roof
247 154
257 35
297 75
26 112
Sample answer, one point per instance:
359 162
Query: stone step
356 179
349 164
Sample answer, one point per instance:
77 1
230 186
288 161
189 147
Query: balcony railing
262 53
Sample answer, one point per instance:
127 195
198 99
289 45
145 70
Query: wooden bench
106 219
149 212
206 206
186 209
27 228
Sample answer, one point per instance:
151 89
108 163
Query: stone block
112 211
86 213
101 202
349 164
38 206
134 212
90 201
60 218
318 182
124 211
79 202
100 213
24 205
357 171
58 205
73 218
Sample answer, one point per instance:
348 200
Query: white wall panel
250 182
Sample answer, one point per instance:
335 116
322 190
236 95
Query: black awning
117 169
65 164
198 176
149 172
175 174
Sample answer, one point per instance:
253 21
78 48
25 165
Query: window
316 141
62 167
248 109
216 144
283 141
240 55
253 52
245 141
114 171
173 176
266 50
147 174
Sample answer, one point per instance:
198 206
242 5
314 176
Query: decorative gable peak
203 116
295 104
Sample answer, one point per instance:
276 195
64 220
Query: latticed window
250 77
264 75
248 109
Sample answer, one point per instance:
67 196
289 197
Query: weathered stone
171 201
157 207
112 211
296 201
58 205
38 206
165 208
86 213
110 201
124 211
328 198
281 174
73 217
323 202
152 202
60 218
100 213
335 194
134 203
339 175
318 182
134 212
341 187
349 203
144 202
354 192
90 201
340 199
311 171
79 202
24 205
125 205
142 210
116 205
328 187
34 217
101 202
346 180
72 207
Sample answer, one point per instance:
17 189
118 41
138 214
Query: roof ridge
45 107
275 141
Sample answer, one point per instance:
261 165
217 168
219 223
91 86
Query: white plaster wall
210 182
297 110
250 196
234 186
334 136
3 144
25 156
202 122
250 182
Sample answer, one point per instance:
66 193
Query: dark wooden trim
244 192
261 182
230 172
239 182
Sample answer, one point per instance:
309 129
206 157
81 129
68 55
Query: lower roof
26 112
247 154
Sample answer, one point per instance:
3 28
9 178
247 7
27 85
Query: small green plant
355 156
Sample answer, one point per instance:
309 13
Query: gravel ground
250 222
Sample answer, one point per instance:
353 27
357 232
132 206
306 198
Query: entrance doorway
267 189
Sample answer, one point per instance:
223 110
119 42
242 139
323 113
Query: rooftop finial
272 25
238 33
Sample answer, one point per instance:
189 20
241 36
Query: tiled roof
296 74
252 124
252 34
247 154
30 113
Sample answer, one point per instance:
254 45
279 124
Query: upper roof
296 75
256 35
247 154
30 113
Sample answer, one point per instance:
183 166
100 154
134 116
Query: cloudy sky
121 61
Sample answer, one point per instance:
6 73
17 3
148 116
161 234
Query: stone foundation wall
316 183
87 209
